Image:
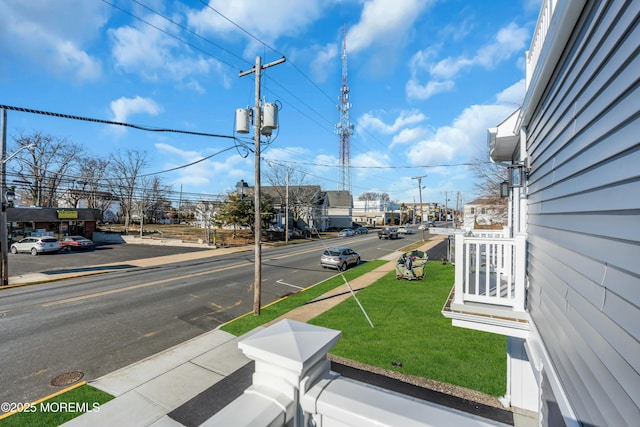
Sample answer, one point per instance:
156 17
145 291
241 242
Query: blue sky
426 78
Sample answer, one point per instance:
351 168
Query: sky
426 79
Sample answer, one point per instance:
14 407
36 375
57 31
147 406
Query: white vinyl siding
584 215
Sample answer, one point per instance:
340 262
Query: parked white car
36 245
405 230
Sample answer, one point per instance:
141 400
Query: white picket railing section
539 36
490 269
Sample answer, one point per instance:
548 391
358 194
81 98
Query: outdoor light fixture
517 176
9 197
504 189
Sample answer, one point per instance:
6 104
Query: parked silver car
35 245
339 258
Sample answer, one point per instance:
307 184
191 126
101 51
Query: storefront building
56 222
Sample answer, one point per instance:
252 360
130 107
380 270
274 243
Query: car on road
388 233
405 230
70 243
425 225
36 245
346 232
339 257
362 230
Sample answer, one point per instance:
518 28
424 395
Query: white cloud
322 62
47 34
408 136
384 22
459 141
415 90
123 107
370 122
513 95
508 41
266 20
154 56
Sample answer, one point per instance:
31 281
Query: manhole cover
67 378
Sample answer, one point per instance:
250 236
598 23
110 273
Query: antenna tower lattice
344 129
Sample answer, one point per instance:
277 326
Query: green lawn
410 329
59 409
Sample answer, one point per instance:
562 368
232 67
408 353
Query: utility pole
286 210
4 245
419 178
446 209
257 116
6 197
458 199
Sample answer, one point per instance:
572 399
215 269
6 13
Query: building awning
23 214
504 139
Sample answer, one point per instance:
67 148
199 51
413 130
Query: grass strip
411 335
58 409
246 323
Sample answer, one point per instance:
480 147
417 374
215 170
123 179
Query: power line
109 122
174 36
446 165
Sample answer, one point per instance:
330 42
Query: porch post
460 258
520 260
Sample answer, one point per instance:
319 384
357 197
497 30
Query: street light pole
419 178
258 214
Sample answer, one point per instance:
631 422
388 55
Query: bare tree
46 166
489 176
93 172
89 186
125 174
206 211
301 197
374 196
157 196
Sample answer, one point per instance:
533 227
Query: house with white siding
484 213
563 280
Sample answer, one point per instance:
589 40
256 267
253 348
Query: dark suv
388 233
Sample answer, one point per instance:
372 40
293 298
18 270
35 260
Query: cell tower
344 129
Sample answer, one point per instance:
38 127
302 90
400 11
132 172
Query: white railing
539 35
490 270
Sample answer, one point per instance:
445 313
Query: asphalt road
103 254
101 323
